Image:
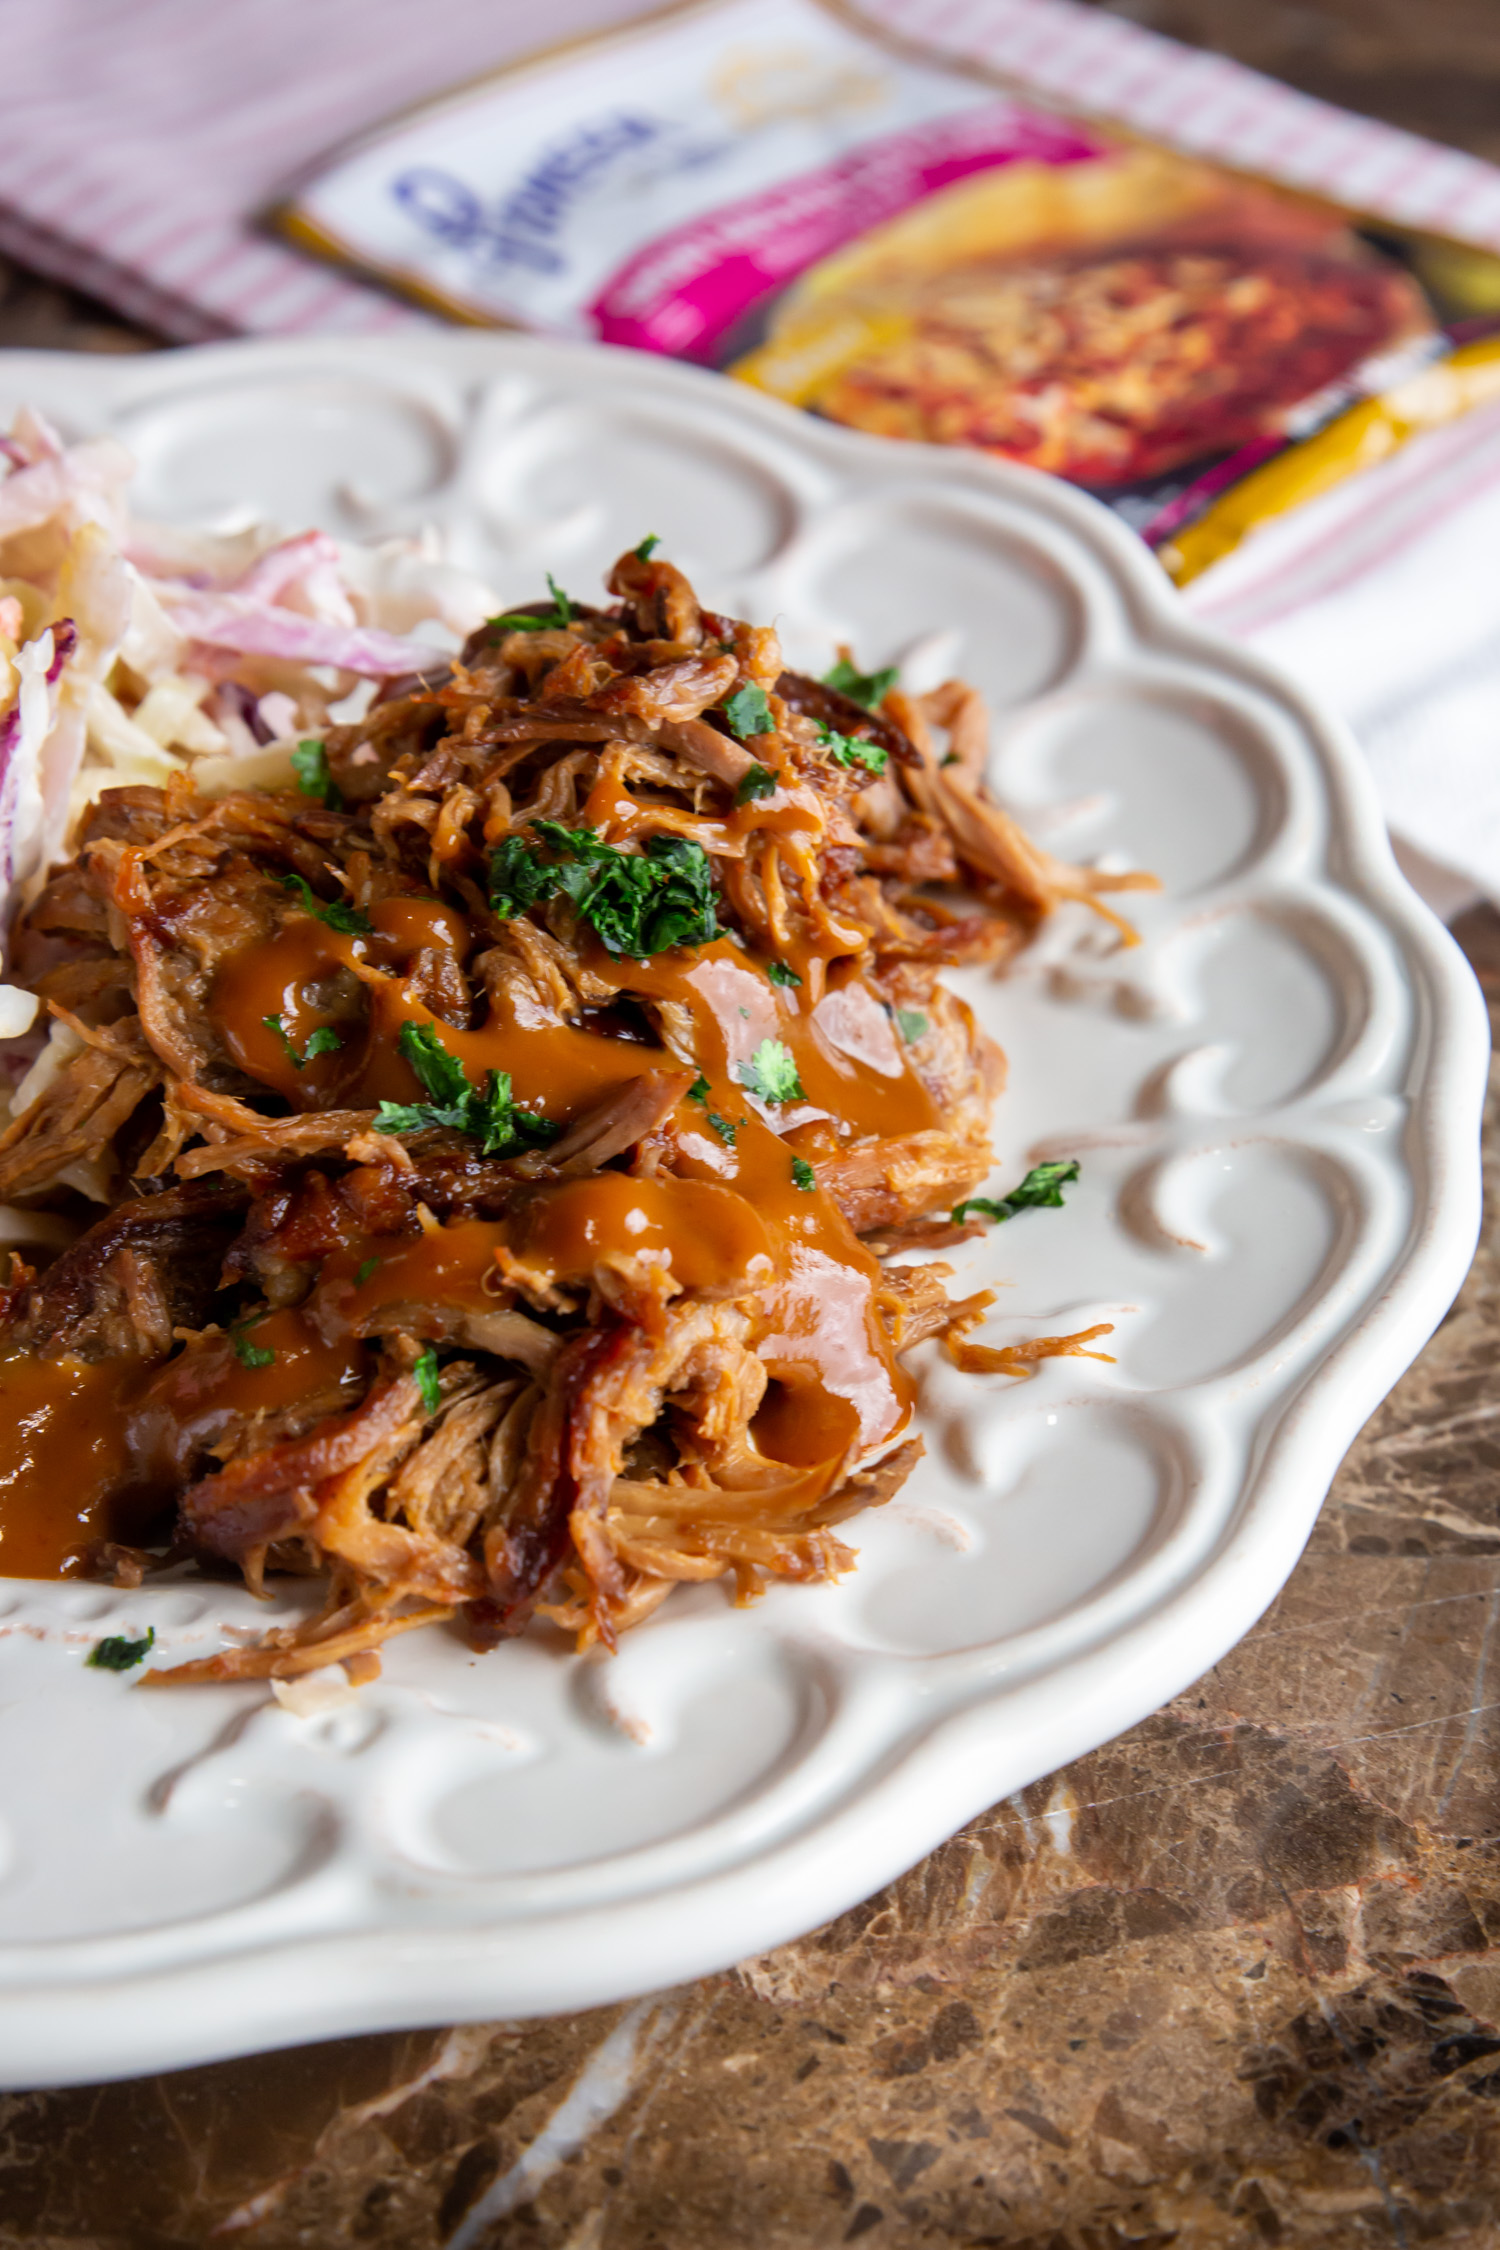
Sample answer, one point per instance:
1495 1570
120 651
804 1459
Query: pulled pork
489 1125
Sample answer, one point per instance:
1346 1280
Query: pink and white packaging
652 188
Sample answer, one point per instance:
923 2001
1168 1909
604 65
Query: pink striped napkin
143 135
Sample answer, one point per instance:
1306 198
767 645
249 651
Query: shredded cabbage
132 651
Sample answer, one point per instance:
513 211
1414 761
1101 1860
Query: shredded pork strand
500 1135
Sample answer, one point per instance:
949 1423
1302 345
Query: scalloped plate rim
329 1984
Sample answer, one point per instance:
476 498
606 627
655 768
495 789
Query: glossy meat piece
152 1265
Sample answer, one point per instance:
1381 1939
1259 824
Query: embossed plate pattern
1275 1098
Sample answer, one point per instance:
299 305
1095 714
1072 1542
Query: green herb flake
337 913
364 1271
1042 1187
310 765
324 1041
758 782
518 878
647 547
564 606
803 1175
426 1373
681 905
912 1024
725 1127
748 712
699 1090
868 689
852 749
248 1354
408 1117
771 1073
279 1030
497 1124
521 621
638 903
527 621
779 973
442 1075
488 1114
118 1654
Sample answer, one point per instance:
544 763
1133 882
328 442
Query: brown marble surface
40 316
1232 1980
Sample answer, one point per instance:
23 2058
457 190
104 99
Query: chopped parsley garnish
518 879
913 1025
779 973
647 547
771 1073
117 1654
650 902
1043 1185
803 1175
275 1025
852 749
426 1373
699 1090
543 621
488 1115
638 903
364 1271
248 1354
869 689
324 1041
442 1074
758 782
337 913
748 712
725 1127
310 765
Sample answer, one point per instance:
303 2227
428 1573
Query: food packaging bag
789 193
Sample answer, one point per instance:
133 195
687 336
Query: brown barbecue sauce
729 1220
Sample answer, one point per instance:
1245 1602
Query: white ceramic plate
1275 1100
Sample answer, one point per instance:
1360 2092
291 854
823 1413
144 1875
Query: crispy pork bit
149 1267
485 1137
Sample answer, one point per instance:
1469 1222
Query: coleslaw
133 651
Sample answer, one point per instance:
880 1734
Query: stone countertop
1233 1979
